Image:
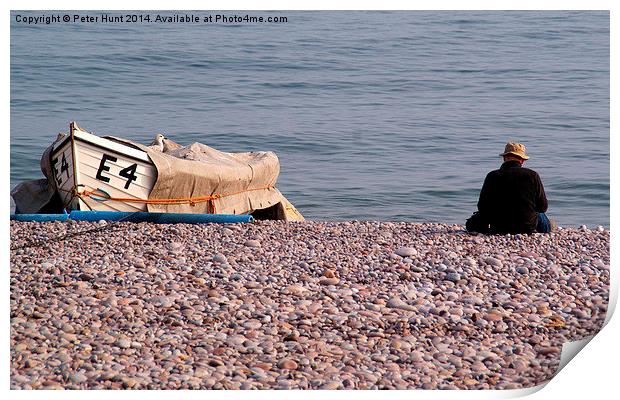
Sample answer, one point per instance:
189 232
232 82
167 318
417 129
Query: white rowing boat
85 162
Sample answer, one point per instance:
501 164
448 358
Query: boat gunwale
120 148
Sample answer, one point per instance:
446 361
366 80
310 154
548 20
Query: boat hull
85 163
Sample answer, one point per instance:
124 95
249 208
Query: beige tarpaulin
36 196
241 182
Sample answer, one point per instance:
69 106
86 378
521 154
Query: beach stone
124 343
601 265
493 316
46 265
175 246
20 347
520 365
470 382
162 301
20 379
329 281
78 377
69 337
214 362
454 360
220 258
535 339
287 364
478 366
252 324
314 307
329 273
332 385
406 252
86 277
236 340
252 243
296 290
31 363
493 261
549 350
396 302
522 270
453 277
129 383
110 301
253 285
416 356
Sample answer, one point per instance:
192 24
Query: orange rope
186 200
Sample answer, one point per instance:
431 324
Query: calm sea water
374 115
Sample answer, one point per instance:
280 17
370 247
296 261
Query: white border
591 374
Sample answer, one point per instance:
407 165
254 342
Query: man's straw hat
515 148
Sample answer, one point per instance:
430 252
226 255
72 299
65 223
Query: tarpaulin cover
245 181
38 195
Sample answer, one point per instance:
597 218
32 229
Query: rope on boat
103 196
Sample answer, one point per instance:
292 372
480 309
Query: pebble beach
310 305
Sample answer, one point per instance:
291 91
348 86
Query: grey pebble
406 251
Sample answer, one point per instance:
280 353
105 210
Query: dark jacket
511 198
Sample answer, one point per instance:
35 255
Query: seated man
512 199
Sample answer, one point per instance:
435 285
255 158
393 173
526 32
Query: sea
374 115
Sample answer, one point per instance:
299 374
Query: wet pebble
287 364
220 258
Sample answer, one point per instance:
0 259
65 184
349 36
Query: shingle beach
311 305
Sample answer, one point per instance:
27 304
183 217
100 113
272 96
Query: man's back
511 199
